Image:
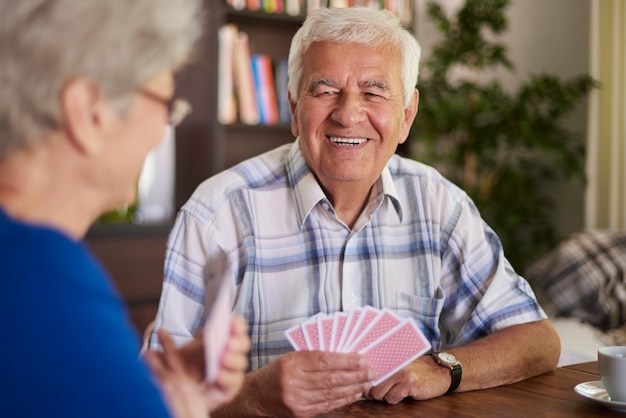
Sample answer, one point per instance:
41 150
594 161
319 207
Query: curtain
605 200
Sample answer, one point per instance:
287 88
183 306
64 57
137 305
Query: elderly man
336 221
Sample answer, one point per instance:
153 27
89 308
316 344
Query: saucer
596 392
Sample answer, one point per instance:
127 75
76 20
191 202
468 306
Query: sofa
581 284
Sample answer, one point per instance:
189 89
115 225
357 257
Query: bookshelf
270 34
134 254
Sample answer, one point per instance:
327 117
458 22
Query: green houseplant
499 146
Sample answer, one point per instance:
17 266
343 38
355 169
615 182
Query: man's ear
82 114
294 118
409 114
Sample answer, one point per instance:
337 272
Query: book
226 102
280 6
401 8
254 4
339 3
373 4
237 4
244 81
265 89
293 7
270 6
315 4
282 97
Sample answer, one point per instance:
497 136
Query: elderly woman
87 90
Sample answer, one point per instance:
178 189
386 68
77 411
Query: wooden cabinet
134 257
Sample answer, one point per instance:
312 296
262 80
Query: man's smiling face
350 113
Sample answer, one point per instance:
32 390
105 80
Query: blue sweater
67 348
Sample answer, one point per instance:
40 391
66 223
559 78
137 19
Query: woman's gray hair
358 25
117 43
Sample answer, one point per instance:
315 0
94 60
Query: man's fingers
341 392
324 360
325 387
322 401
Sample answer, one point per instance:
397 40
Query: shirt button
326 206
352 298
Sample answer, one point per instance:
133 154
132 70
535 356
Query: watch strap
455 373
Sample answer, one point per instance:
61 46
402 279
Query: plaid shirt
420 248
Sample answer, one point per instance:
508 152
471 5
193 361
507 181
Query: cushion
584 278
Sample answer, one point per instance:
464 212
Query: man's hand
303 384
507 356
419 380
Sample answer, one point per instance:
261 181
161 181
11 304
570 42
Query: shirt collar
308 192
389 190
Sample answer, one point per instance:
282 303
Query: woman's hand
184 393
181 372
234 362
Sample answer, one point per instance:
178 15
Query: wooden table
549 395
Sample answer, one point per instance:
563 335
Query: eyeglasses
177 108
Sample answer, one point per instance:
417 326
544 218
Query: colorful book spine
237 4
294 7
315 4
265 89
339 3
244 81
373 4
270 6
282 97
227 104
254 4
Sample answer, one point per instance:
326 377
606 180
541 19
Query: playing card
366 317
383 322
219 296
324 330
353 317
339 321
296 338
395 349
311 334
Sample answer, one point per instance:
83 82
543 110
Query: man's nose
350 110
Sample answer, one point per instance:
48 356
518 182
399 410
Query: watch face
447 358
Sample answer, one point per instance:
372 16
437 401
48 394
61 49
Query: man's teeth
347 141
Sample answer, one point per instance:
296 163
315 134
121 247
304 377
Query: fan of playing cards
388 341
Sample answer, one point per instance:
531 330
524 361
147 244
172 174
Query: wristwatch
448 360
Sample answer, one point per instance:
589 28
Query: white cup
612 365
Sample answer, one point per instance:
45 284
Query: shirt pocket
425 311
